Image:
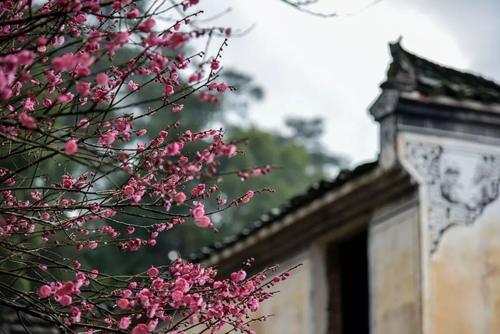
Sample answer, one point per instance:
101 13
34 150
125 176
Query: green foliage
290 161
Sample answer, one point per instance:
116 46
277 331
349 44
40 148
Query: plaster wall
395 269
460 231
291 307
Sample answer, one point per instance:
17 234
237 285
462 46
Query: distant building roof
409 77
410 73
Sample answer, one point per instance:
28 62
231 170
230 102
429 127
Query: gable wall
460 230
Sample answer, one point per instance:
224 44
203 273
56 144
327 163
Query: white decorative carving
459 184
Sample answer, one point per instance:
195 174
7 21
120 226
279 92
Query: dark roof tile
409 73
314 192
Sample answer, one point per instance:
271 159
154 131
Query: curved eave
356 197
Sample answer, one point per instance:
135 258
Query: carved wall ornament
459 184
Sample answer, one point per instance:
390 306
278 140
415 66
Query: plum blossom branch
78 173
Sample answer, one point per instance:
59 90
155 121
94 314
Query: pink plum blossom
140 329
44 291
177 107
71 147
27 120
147 25
124 323
153 272
83 88
238 276
133 13
132 85
123 303
101 79
169 90
108 138
179 198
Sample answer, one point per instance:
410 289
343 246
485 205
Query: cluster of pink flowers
79 163
10 66
200 218
191 290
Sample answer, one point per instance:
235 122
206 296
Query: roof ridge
410 72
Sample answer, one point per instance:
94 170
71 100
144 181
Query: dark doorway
348 283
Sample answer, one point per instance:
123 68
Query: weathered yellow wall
394 271
464 278
291 306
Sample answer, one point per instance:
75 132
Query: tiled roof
410 73
295 203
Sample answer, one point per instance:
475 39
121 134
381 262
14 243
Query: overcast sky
310 66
